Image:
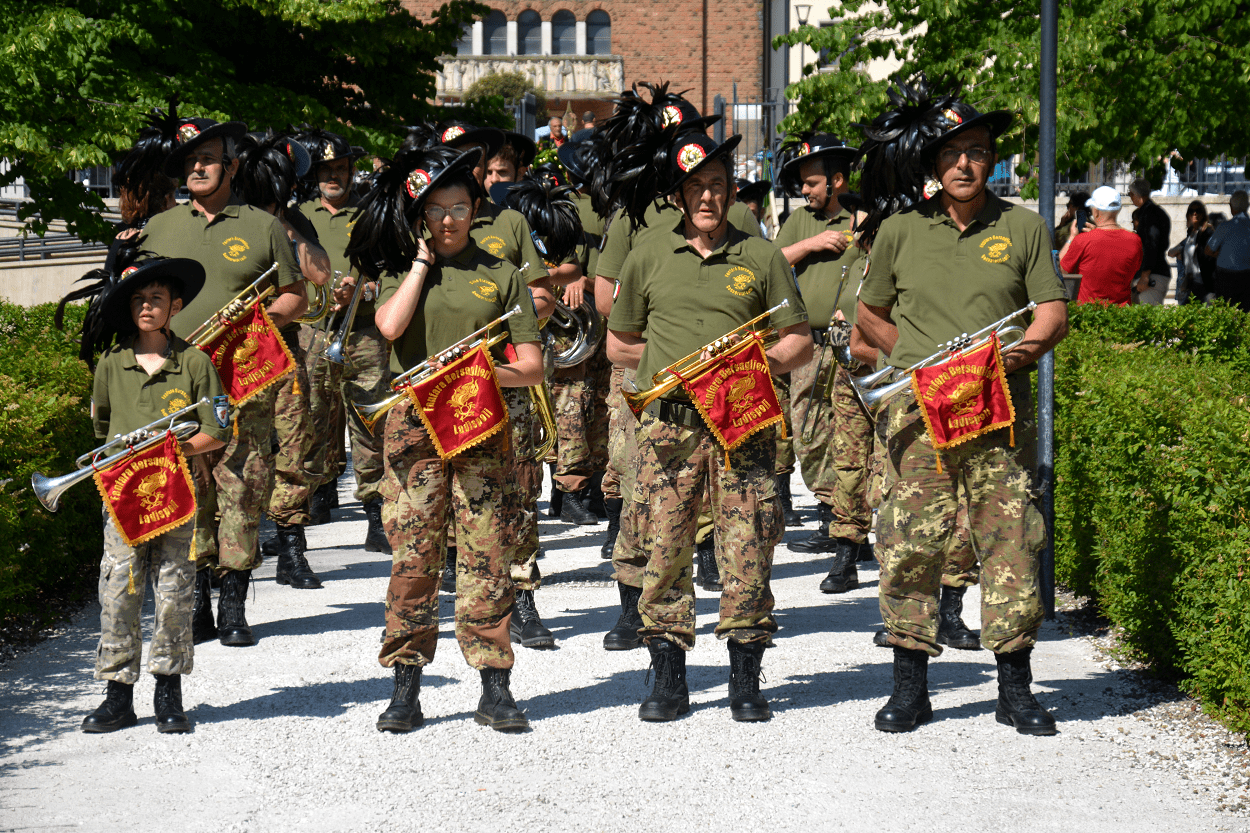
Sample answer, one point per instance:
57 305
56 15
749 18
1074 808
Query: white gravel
285 736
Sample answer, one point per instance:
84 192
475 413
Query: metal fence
54 244
756 118
1200 177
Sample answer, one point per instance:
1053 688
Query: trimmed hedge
45 392
1152 487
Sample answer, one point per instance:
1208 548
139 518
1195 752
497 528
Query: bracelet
428 265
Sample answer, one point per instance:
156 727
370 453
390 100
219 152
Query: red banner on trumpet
965 396
148 493
250 355
736 396
461 405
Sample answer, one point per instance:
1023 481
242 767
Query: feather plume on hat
140 172
267 172
894 173
551 213
98 332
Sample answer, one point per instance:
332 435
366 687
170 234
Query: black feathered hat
691 153
126 270
753 191
382 236
147 156
324 146
459 134
807 147
550 210
270 165
194 132
525 147
959 117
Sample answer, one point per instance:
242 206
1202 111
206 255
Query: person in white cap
1106 255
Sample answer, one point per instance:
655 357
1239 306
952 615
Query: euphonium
49 489
221 320
585 328
322 304
368 413
875 389
692 366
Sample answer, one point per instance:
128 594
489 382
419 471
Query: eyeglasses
977 155
458 212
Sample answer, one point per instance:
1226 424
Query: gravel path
285 739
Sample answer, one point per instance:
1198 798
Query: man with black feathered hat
832 435
687 284
235 244
948 265
365 378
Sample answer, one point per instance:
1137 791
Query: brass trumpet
49 489
225 317
875 389
692 366
367 414
540 397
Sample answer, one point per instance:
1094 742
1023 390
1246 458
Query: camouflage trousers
676 465
422 494
785 440
629 558
124 573
232 488
365 378
293 483
993 481
581 421
524 484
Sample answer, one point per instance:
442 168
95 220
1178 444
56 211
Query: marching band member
149 373
235 244
950 265
682 287
450 287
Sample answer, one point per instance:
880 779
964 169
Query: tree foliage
510 86
1137 79
79 74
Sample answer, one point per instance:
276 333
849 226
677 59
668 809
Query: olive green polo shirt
235 249
125 398
334 230
592 228
620 238
681 302
741 218
819 273
460 294
940 282
505 234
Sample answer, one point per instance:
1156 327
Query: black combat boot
881 638
375 538
232 626
497 709
669 696
293 567
319 503
951 628
787 501
526 627
203 628
843 575
624 636
116 712
573 511
594 500
909 704
556 503
1016 704
614 506
404 712
746 704
709 571
449 572
167 701
866 552
818 541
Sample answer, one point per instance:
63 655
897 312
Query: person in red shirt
1106 255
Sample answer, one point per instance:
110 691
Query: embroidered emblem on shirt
175 400
494 245
235 248
484 289
995 248
740 280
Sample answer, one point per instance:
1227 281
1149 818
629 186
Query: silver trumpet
336 351
875 389
50 489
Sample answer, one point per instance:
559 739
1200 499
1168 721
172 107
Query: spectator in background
1230 245
1074 218
556 125
1154 228
588 120
1195 268
1107 256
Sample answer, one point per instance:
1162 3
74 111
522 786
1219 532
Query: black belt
681 414
821 334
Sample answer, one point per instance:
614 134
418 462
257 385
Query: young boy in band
148 374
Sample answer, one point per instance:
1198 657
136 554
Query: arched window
598 33
495 34
529 33
464 46
563 33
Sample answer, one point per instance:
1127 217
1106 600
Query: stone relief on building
592 75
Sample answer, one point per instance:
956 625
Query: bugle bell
224 318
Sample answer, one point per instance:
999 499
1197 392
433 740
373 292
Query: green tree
78 76
510 86
1137 79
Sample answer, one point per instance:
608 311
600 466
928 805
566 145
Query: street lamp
802 10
